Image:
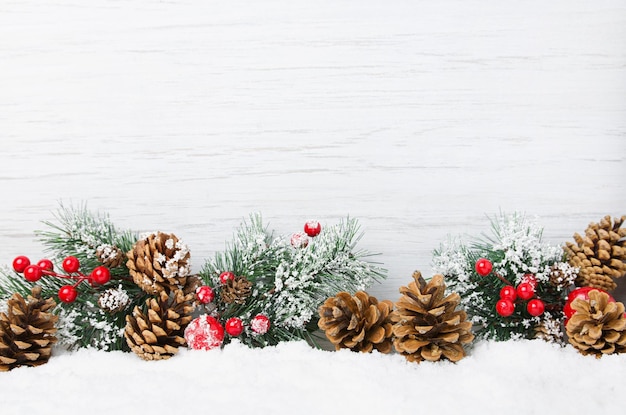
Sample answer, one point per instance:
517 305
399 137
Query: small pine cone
158 333
598 326
600 254
27 331
159 262
562 275
114 300
358 322
236 290
549 330
427 325
110 256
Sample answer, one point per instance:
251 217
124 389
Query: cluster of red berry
311 229
71 265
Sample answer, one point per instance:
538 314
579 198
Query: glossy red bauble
525 291
568 310
33 273
205 294
312 228
260 324
20 263
204 333
45 264
234 326
483 267
508 293
71 264
535 307
505 307
100 275
225 276
68 294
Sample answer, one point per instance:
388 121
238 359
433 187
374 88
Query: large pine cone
358 322
600 254
236 290
159 262
159 332
27 331
426 323
598 326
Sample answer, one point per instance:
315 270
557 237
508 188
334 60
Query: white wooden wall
418 118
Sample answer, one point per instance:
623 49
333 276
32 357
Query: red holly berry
505 307
260 324
312 228
205 294
71 264
483 267
299 240
46 265
20 263
225 276
100 275
234 326
508 293
535 307
68 294
530 279
525 291
204 333
33 273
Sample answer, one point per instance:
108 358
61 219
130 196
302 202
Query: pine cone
159 262
159 332
27 331
236 290
598 326
549 330
358 322
114 300
562 275
427 327
110 256
600 254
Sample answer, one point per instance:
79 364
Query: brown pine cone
360 322
110 256
114 300
598 326
600 254
427 325
158 333
27 331
159 262
236 290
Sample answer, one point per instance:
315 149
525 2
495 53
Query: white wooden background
419 118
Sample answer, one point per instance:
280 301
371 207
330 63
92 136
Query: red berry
204 333
68 294
530 279
33 273
535 307
525 291
100 275
260 324
508 293
225 276
299 240
234 326
312 228
20 263
71 264
505 307
205 294
46 265
483 267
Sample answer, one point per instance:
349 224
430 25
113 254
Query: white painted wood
418 118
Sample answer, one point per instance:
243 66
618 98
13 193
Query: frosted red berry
100 275
33 273
299 240
312 228
68 294
71 264
234 326
205 294
260 324
483 267
505 308
20 263
204 333
226 276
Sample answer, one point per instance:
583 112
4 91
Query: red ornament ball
508 293
483 267
33 273
299 240
234 326
535 307
225 276
505 307
68 293
20 263
204 333
525 291
45 264
205 294
568 311
71 264
312 228
260 324
100 275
